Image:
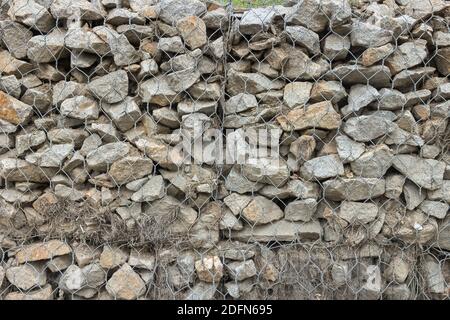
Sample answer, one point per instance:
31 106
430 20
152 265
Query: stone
367 128
172 44
152 190
46 293
240 102
394 186
11 86
187 106
433 275
357 212
368 35
261 211
121 16
336 47
42 251
209 269
321 168
112 257
63 90
80 107
297 94
106 155
85 40
434 208
31 13
157 90
125 284
442 63
39 97
361 96
354 189
13 110
87 10
348 150
22 171
256 20
390 99
193 31
183 80
123 52
48 48
300 210
240 271
142 259
124 114
304 37
236 202
303 148
320 115
27 142
378 76
407 55
372 55
52 156
441 193
15 36
420 10
229 221
167 117
427 173
251 83
129 169
171 11
281 230
373 163
300 66
26 277
110 88
12 66
266 170
413 195
327 90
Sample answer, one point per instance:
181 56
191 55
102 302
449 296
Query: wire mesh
187 149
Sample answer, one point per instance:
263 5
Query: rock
157 90
172 44
299 65
303 148
296 93
13 110
27 276
66 89
434 208
433 275
397 270
250 83
32 14
26 142
441 193
327 90
39 97
237 202
46 293
377 76
408 78
76 280
367 128
241 270
371 290
229 222
357 212
368 35
206 107
372 55
106 155
354 189
110 88
167 117
413 195
46 48
209 269
53 156
266 170
304 37
442 63
202 291
193 31
11 86
319 115
373 163
407 55
256 20
240 102
293 188
281 230
300 210
171 11
427 173
123 52
124 114
361 96
80 107
42 251
182 80
12 66
394 186
348 149
261 211
125 284
336 47
85 9
402 137
86 41
129 169
321 168
142 259
152 190
14 35
420 10
112 257
120 16
391 99
22 171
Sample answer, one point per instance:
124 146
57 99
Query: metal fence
186 149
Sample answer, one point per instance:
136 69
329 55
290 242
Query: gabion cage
187 149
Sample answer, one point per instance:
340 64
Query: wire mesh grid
187 149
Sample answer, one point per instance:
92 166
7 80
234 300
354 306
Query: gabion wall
182 149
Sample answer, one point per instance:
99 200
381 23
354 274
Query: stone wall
116 117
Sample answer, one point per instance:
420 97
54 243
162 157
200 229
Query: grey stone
240 271
321 168
367 128
414 195
304 37
173 44
110 88
26 142
348 149
336 47
124 114
251 83
46 48
256 20
300 210
394 186
85 9
354 189
261 211
407 55
297 93
373 163
358 212
157 90
106 155
80 107
27 276
86 40
361 96
125 284
266 170
51 157
32 14
240 102
427 173
152 190
173 10
15 37
183 80
368 35
434 208
129 169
